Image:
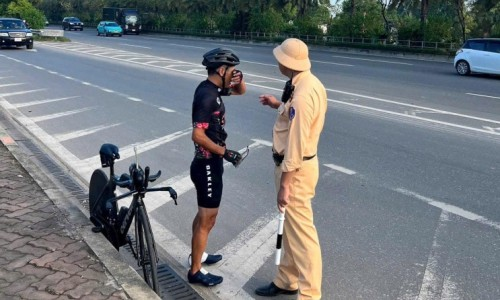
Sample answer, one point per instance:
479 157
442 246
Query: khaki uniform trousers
301 265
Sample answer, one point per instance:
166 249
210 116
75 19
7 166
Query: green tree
269 21
24 10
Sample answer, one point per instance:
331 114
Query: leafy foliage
430 20
23 9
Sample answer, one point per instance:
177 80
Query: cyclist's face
228 75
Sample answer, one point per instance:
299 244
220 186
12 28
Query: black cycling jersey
209 113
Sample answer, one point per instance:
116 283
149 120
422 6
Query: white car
478 56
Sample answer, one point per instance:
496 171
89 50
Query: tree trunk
423 17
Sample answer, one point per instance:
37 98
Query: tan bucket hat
293 54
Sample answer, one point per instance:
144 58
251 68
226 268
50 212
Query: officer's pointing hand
269 100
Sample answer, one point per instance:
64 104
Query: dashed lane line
450 208
340 169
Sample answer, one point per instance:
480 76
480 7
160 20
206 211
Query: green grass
50 39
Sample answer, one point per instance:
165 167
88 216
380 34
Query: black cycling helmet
218 57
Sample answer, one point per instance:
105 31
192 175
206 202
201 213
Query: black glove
232 156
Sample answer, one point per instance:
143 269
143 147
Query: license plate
18 39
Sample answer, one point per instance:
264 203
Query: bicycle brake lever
173 195
146 177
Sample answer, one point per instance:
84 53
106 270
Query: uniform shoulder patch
291 113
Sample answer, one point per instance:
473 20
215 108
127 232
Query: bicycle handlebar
124 181
140 184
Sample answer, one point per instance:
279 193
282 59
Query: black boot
272 290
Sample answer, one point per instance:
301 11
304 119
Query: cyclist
209 136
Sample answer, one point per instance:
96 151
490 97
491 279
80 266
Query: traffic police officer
296 133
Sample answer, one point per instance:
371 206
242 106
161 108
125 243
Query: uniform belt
278 159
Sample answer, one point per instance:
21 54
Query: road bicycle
114 224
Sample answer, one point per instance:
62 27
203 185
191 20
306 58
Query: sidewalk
47 252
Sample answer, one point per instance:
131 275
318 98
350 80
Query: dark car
13 32
72 23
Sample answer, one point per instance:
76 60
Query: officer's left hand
283 199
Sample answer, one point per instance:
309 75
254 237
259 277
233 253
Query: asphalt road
407 206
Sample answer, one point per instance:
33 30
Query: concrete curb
131 282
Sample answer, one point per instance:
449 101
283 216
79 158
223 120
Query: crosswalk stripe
128 151
31 103
60 114
244 256
182 183
79 133
20 93
10 84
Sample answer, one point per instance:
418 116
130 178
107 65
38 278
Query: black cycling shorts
206 175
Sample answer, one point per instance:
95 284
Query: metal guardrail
317 39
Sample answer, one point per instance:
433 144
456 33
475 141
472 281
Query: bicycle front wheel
146 254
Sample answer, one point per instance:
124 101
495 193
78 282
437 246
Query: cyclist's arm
200 138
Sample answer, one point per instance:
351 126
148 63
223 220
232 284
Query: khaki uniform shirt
298 126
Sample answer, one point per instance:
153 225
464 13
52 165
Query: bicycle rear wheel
146 253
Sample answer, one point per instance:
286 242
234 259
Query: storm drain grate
171 285
57 172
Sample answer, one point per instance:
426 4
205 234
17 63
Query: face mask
287 91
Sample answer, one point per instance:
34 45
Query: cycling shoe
204 278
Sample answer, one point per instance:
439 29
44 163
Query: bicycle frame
116 225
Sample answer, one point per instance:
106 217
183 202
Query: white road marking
419 118
182 183
232 46
451 209
79 133
49 141
10 84
60 114
186 46
433 279
128 151
496 129
424 108
20 93
479 95
134 99
375 109
257 63
244 256
166 109
340 169
373 60
136 46
331 63
31 103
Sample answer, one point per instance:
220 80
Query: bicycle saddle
108 153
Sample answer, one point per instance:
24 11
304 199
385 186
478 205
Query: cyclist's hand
236 78
232 156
